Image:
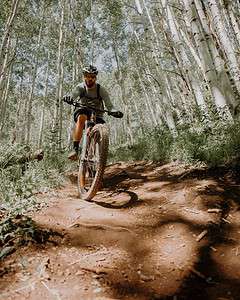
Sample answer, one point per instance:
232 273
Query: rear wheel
92 167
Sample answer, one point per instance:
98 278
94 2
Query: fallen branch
214 210
38 155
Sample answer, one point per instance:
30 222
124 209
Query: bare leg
77 133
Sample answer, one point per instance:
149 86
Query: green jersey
96 97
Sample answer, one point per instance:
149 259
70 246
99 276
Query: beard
90 84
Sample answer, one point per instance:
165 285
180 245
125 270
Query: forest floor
154 232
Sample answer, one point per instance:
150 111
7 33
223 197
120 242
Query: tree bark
7 31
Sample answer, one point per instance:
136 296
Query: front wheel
92 166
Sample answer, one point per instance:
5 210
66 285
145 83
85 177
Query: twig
213 249
198 273
191 210
97 271
201 235
214 210
226 221
51 291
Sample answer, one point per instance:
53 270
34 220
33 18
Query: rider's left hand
116 114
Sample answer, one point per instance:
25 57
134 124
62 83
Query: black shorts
86 112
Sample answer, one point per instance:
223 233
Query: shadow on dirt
207 281
133 199
156 248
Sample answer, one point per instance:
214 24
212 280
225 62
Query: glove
67 99
116 114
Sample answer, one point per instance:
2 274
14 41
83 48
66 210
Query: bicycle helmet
90 70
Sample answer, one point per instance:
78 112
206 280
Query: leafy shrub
154 145
20 181
213 146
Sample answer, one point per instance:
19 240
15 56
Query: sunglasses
90 76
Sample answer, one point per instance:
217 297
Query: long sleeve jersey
88 96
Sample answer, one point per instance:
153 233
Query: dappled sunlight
227 259
141 240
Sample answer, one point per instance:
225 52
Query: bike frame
85 135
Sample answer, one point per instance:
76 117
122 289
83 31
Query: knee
81 119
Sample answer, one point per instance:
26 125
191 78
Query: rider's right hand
67 99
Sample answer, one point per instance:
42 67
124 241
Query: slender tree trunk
57 121
4 71
42 120
206 60
34 77
165 101
7 31
5 99
226 43
138 6
120 80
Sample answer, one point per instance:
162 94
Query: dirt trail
154 232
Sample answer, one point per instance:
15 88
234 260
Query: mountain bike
94 153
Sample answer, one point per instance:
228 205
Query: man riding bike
90 93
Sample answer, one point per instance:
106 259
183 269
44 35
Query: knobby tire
100 135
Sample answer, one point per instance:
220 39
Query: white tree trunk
42 119
34 76
7 31
138 6
206 59
225 42
57 121
5 99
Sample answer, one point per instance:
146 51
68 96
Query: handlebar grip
67 99
116 114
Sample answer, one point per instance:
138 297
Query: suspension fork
85 141
86 135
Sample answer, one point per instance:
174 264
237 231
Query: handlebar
116 114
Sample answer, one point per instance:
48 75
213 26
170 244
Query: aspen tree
34 76
7 31
184 64
205 59
4 70
225 42
165 101
57 120
224 83
43 109
5 97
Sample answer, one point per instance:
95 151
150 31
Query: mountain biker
89 93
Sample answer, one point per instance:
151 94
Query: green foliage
214 147
20 181
154 145
20 230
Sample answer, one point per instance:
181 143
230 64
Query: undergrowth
21 230
213 146
21 180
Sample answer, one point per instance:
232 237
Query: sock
76 145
